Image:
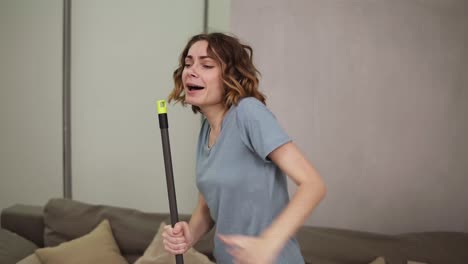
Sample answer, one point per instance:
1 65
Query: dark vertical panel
205 17
67 177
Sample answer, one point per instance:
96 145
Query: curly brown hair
238 73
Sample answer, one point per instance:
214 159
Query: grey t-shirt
243 189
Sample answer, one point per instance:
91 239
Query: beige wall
123 56
30 101
376 95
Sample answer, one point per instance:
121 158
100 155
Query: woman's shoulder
250 105
250 108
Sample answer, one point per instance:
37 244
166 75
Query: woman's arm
184 235
201 221
310 192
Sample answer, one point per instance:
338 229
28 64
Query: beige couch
26 228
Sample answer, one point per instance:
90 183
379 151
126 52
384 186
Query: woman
243 156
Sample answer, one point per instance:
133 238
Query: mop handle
164 126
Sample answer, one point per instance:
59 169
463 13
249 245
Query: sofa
25 229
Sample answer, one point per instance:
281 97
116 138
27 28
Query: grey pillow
13 247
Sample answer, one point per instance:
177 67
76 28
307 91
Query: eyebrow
200 57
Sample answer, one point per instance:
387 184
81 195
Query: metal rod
205 16
66 105
164 126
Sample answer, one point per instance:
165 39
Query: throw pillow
379 260
31 259
98 246
156 254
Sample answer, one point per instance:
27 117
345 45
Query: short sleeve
259 128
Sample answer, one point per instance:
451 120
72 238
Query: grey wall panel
375 94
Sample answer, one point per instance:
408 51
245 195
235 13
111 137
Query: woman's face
201 78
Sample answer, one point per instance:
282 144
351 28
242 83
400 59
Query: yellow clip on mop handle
161 105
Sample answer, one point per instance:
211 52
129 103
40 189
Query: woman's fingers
181 246
175 248
174 251
175 239
183 227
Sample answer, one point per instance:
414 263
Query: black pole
164 126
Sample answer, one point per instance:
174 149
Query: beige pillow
31 259
379 260
98 246
155 253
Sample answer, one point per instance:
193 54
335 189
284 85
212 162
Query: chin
191 102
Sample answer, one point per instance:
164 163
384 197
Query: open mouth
194 87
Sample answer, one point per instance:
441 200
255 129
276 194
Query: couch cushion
133 230
329 245
436 247
67 219
98 246
26 221
13 247
334 246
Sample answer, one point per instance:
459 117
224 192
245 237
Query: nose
192 72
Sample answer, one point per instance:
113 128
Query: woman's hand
247 249
177 240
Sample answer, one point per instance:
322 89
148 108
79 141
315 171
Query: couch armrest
26 221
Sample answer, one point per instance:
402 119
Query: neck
214 115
